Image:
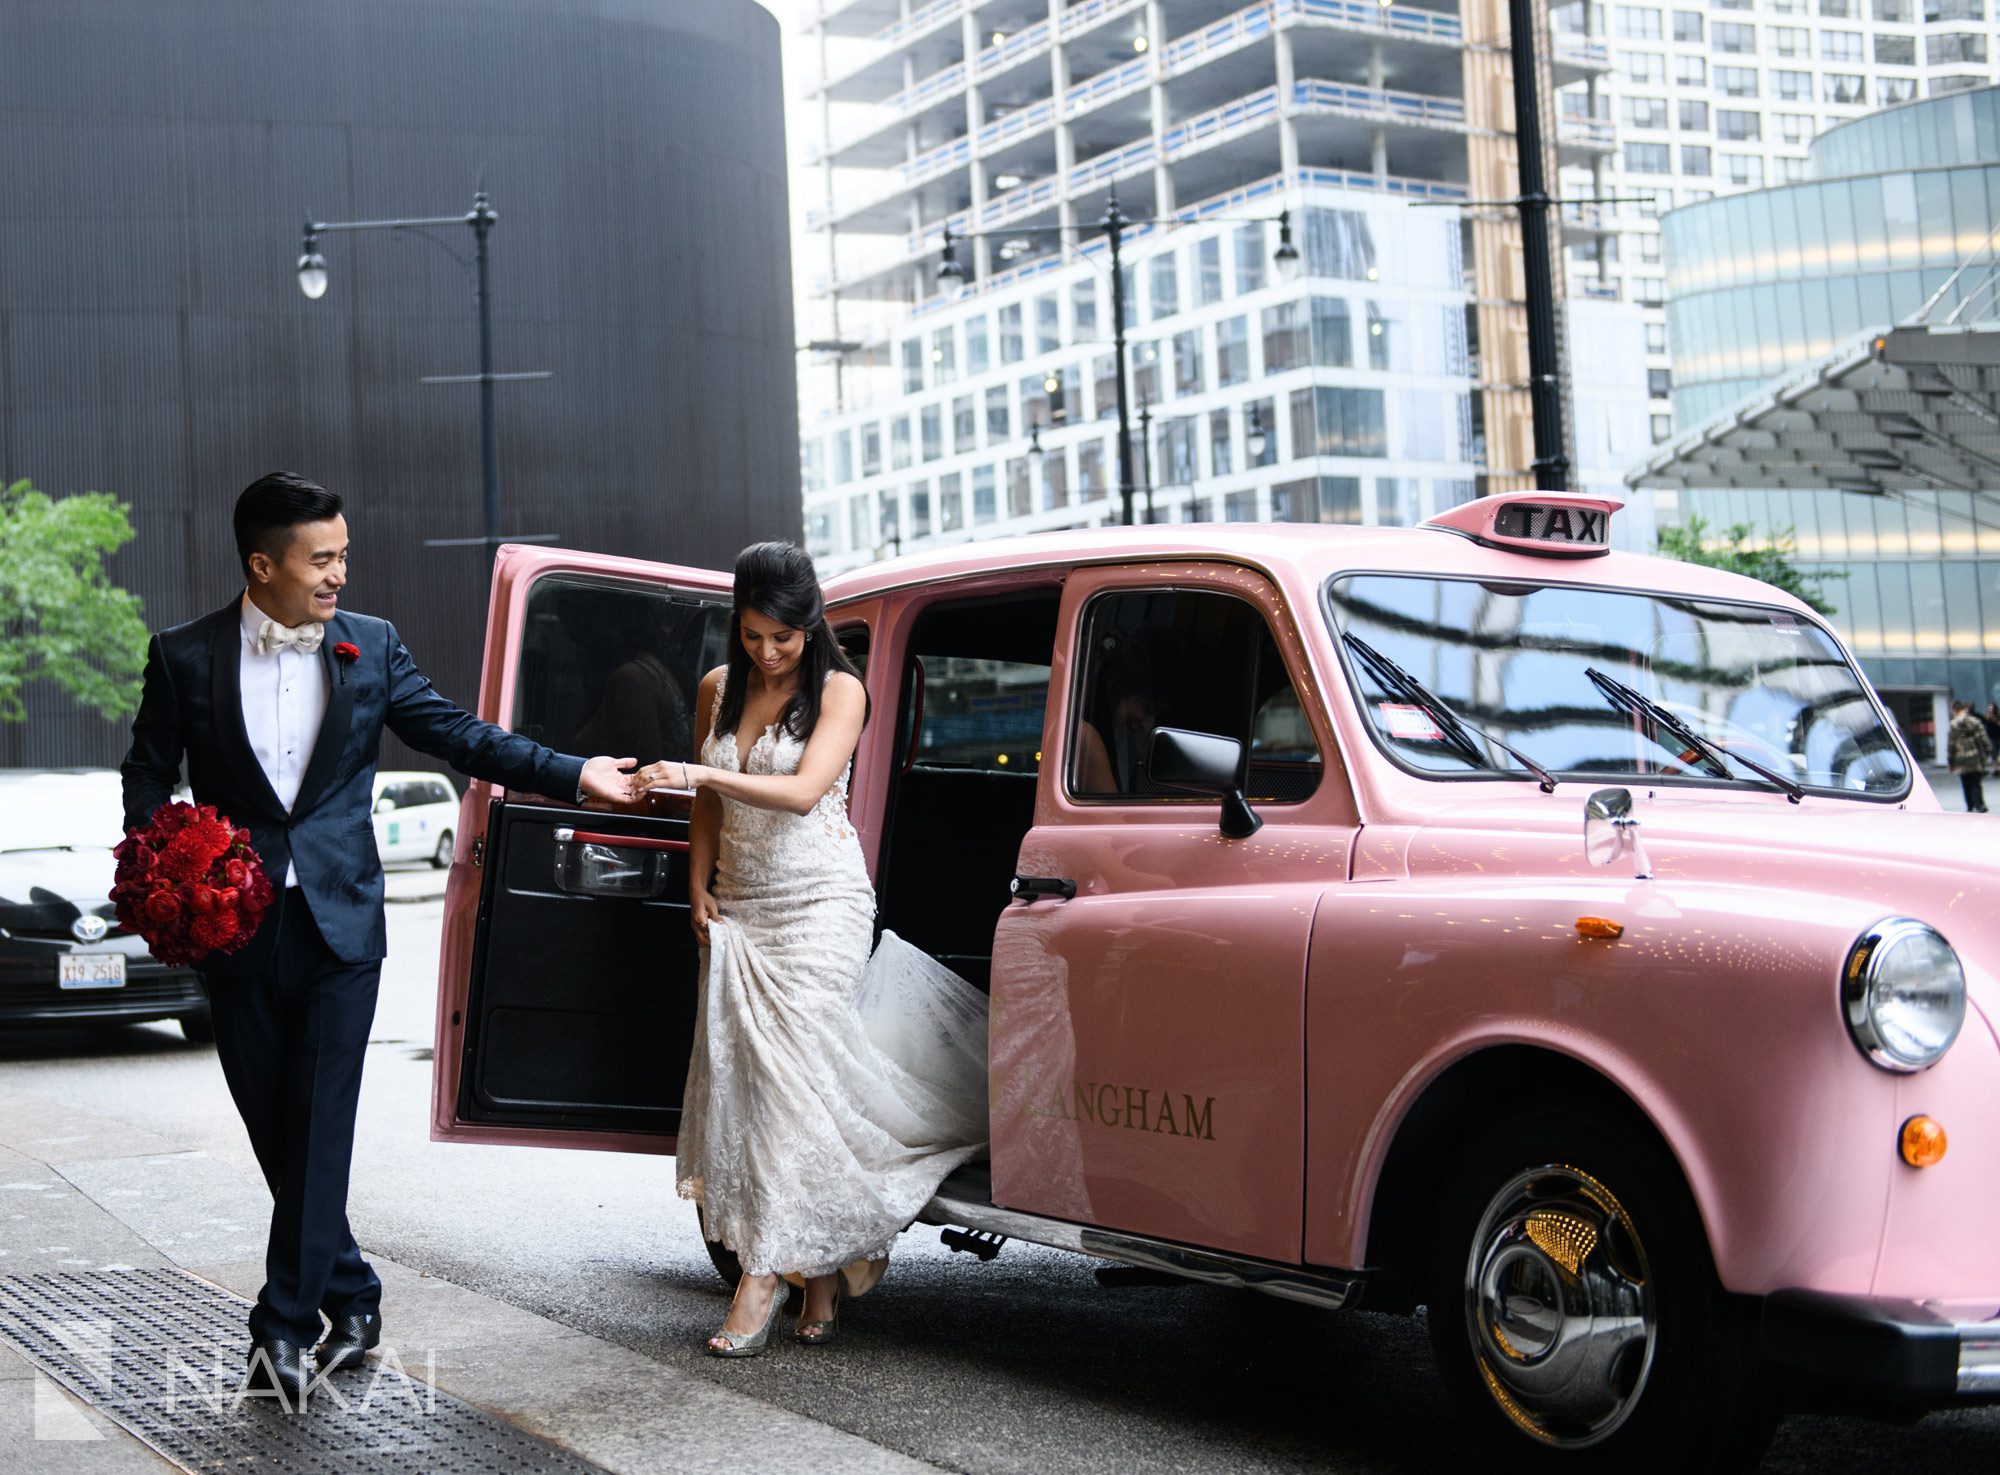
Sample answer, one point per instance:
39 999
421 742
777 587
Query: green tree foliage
61 618
1738 549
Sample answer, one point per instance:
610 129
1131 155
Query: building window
1048 324
1841 46
1055 478
1659 383
944 356
920 509
1385 339
1208 271
1090 471
1895 89
888 519
1845 88
964 425
1649 291
1146 372
985 506
1791 41
1332 333
1339 243
1794 127
1338 421
1743 170
1644 68
1188 367
812 466
933 423
1638 23
1791 171
1647 158
951 503
1020 491
998 428
1663 426
1239 507
1840 9
975 344
1645 112
1164 281
871 449
843 457
1285 342
1656 337
1687 26
1104 370
861 523
1249 258
1334 499
1693 117
1793 86
1935 10
1083 310
1232 351
1176 464
1691 71
1012 348
899 443
1260 433
1739 81
1738 127
1939 50
1034 403
1896 12
819 532
1695 160
1895 51
913 365
1735 39
1220 460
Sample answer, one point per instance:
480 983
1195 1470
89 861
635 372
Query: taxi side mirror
384 804
1203 763
1610 831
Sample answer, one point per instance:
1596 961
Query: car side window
609 666
437 792
1199 660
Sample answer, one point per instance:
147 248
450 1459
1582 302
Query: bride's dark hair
777 580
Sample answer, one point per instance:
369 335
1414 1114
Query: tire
441 857
720 1255
199 1029
1575 1313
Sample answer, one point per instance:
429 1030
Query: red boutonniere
348 654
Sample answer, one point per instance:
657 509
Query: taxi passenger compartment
611 980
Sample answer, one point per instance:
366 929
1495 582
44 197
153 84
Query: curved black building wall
156 160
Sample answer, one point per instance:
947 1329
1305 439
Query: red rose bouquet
190 884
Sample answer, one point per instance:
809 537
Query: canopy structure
1915 408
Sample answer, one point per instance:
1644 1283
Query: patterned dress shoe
278 1369
346 1346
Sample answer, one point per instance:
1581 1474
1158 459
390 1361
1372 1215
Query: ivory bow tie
273 637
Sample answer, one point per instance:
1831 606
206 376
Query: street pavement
570 1293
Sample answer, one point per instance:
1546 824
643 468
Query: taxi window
609 666
1193 659
1615 683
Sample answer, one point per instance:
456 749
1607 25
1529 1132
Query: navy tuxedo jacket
193 705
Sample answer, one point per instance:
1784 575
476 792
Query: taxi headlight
1903 992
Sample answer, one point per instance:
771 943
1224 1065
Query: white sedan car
415 816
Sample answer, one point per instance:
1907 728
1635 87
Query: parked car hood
44 890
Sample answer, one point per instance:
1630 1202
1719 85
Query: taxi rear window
1443 667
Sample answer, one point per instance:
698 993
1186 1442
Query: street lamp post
481 218
1146 452
951 279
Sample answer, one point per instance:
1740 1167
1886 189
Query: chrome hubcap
1560 1306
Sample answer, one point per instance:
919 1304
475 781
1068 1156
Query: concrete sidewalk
81 1192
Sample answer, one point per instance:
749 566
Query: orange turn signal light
1599 927
1922 1141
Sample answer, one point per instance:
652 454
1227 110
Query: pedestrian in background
1990 720
1970 754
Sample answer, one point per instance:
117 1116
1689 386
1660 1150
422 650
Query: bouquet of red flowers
190 884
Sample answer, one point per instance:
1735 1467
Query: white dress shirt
284 702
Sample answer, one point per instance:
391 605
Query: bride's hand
664 775
701 911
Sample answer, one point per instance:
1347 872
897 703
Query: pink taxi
1468 916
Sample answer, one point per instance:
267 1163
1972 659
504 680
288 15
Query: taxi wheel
441 857
1574 1310
198 1028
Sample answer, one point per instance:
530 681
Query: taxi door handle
1032 888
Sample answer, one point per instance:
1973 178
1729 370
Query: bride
829 1092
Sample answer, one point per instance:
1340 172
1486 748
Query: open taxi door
567 971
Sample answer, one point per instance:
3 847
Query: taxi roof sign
1546 524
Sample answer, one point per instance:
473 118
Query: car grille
40 995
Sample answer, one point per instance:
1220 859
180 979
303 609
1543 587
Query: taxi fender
1715 1013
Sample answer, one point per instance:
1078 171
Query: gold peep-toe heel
749 1344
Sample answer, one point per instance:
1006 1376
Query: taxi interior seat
957 811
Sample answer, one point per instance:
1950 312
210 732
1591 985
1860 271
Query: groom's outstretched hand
602 780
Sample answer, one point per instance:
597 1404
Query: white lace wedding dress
829 1092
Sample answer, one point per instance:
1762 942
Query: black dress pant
1974 785
292 1044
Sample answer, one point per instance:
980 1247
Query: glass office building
1767 283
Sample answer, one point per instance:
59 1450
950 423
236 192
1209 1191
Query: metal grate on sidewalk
161 1353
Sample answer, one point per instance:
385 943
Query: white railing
1366 102
1108 85
1083 17
910 100
1590 133
940 160
1114 165
919 21
1017 124
1226 34
1582 50
1025 199
1366 15
1234 117
1013 49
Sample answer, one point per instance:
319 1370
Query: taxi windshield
1609 683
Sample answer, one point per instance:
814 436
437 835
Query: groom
278 701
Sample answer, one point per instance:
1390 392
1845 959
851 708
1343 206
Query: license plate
91 970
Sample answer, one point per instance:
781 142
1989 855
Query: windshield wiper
1638 703
1456 729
